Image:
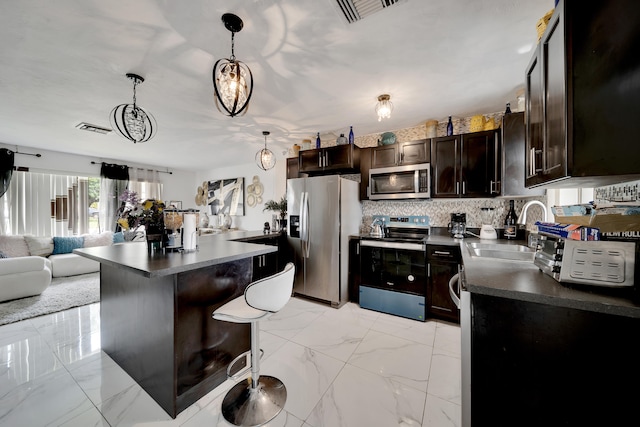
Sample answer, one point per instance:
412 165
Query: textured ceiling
64 62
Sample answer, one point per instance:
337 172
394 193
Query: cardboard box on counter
568 231
606 223
615 219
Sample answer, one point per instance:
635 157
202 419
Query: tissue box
569 231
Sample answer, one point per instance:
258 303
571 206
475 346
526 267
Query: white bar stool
259 399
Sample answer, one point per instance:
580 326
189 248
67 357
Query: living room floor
341 367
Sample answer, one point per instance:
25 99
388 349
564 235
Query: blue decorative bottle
351 137
318 140
450 127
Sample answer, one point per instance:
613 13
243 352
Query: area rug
63 293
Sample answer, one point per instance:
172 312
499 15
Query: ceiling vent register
355 10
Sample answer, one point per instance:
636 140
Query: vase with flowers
134 215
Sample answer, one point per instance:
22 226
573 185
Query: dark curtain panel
113 171
6 169
113 182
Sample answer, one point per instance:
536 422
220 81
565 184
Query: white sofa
30 262
23 277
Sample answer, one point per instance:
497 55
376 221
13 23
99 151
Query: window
48 205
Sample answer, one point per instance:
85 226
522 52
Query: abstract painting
226 196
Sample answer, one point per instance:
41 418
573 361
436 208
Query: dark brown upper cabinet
330 160
465 165
581 102
401 153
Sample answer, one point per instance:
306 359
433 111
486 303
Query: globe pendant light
132 121
384 107
265 159
232 79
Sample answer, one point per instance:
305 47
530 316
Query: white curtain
145 182
110 191
45 205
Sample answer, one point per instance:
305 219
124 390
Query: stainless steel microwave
400 182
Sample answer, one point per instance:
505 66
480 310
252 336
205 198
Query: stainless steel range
394 267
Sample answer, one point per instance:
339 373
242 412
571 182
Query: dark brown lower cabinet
443 262
354 270
541 365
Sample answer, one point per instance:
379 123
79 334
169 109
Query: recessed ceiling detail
355 10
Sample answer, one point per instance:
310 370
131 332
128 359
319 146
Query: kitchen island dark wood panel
155 315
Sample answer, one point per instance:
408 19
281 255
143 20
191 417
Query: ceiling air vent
355 10
93 128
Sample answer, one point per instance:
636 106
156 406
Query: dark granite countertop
212 249
524 281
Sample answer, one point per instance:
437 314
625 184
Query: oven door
394 266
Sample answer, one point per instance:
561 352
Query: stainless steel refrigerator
322 212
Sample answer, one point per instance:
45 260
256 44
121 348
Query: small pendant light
265 159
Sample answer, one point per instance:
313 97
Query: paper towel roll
189 232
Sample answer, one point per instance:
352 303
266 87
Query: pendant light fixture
132 121
265 159
232 79
384 107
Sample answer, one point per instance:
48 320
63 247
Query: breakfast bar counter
155 314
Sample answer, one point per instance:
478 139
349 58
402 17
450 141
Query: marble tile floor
341 367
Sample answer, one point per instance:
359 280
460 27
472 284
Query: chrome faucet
522 219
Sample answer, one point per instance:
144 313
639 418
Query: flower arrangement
134 214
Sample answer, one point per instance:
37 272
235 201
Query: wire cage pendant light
265 159
384 107
232 79
130 120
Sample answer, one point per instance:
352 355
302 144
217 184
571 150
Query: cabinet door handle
457 187
532 161
429 269
464 187
320 160
442 253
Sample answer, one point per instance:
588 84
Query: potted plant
280 207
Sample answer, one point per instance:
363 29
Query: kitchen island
155 314
539 352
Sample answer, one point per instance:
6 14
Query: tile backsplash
439 210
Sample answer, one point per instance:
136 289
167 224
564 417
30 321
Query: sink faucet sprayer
522 219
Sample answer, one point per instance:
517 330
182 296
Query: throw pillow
118 237
3 255
103 239
40 246
66 245
14 246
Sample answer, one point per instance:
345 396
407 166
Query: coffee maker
458 224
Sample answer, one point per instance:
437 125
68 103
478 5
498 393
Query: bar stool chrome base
247 406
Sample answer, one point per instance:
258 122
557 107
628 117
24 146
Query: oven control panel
416 221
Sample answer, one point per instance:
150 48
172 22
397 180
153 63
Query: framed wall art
226 196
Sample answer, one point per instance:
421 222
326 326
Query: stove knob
411 278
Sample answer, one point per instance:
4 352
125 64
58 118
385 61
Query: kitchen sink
505 251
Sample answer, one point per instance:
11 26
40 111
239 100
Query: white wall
176 186
273 180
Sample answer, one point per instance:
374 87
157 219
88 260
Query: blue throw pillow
66 245
118 237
